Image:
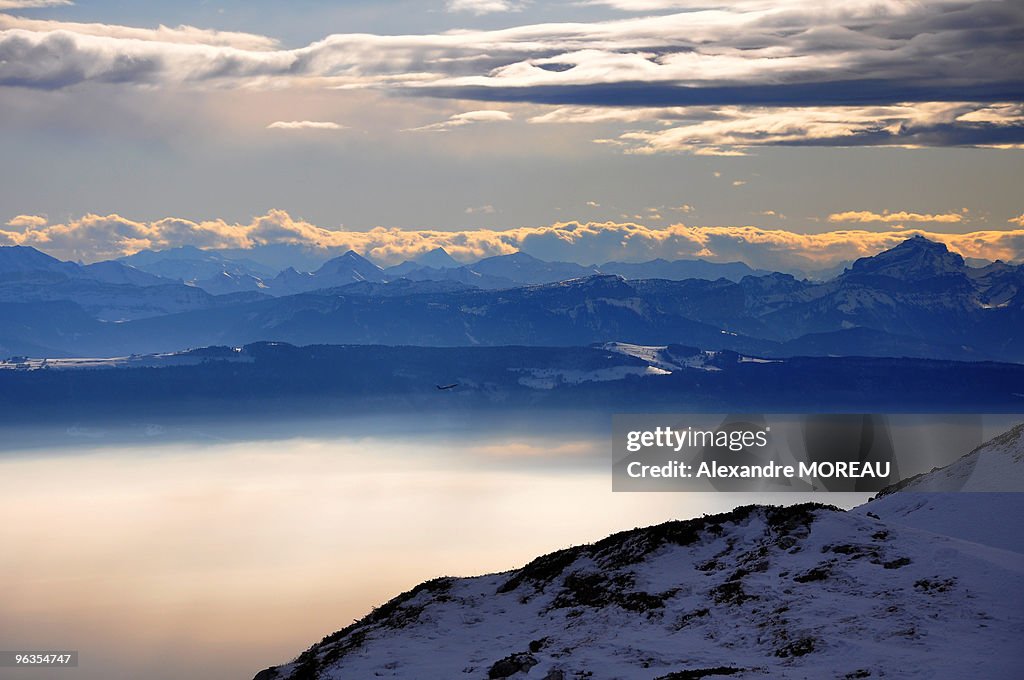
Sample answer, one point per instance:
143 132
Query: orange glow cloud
97 237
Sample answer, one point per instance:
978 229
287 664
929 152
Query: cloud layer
705 77
732 130
96 237
876 44
185 35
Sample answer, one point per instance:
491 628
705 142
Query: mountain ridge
282 380
916 300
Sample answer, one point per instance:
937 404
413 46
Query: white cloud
484 6
481 210
184 35
27 222
304 125
30 4
467 118
887 6
484 116
997 114
54 59
606 114
731 130
866 216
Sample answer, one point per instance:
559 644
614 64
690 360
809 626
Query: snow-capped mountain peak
437 258
348 268
914 259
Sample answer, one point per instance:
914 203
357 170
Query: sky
779 133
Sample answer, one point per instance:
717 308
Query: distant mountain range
915 300
190 263
218 273
105 291
910 585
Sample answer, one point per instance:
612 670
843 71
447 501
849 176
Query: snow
648 353
134 360
660 357
990 477
549 378
997 465
842 594
635 305
955 515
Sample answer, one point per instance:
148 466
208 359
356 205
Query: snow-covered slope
997 465
193 357
806 591
992 518
669 358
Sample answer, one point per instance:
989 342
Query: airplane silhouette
447 387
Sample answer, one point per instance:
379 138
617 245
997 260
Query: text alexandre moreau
748 441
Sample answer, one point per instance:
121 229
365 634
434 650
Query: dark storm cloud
845 93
